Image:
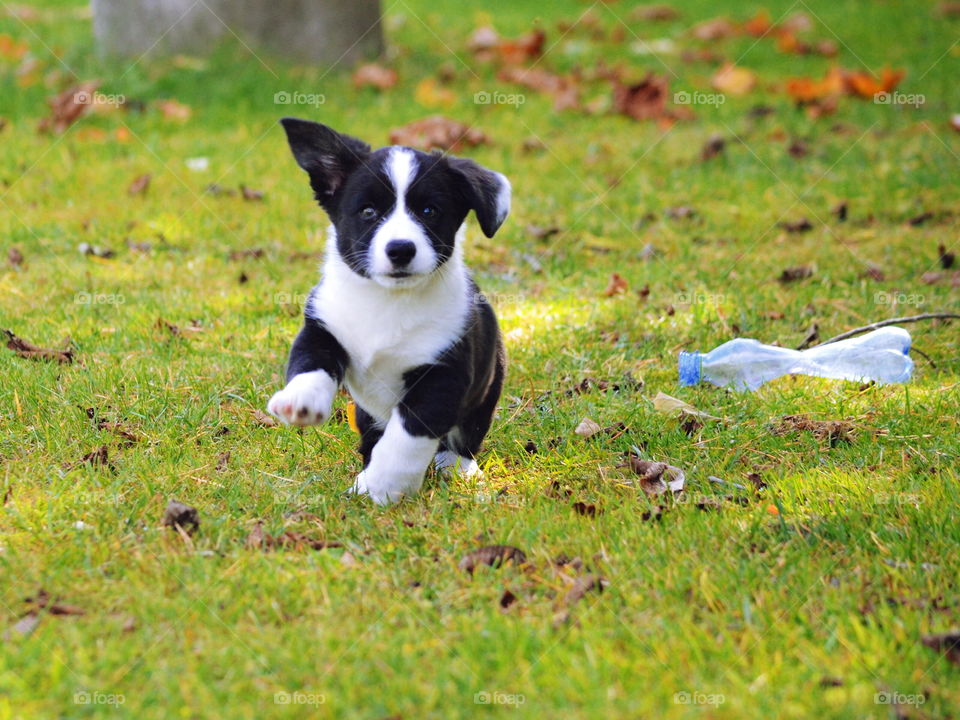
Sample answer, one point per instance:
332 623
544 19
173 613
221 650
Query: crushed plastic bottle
881 356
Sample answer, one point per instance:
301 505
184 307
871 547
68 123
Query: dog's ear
327 156
487 193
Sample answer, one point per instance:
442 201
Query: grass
807 610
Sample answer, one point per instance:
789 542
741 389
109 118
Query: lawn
799 586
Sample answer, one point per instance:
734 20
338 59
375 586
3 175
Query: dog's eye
368 212
429 211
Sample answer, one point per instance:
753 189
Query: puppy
396 316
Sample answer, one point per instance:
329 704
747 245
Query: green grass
740 603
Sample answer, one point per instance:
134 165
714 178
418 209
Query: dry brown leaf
947 644
760 24
96 458
492 555
374 75
831 431
670 405
645 100
263 419
656 478
251 195
792 274
654 13
15 257
617 285
67 107
140 185
27 350
800 225
564 90
437 133
178 514
716 29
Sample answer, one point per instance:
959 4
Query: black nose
401 252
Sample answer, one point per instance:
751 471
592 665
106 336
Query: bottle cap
690 368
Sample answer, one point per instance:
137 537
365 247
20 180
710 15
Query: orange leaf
759 25
734 80
374 75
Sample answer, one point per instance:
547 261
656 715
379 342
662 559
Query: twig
891 321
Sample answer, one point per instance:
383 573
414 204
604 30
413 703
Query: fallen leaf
86 248
223 461
733 80
670 405
564 90
716 29
792 274
483 40
868 86
873 272
140 185
254 253
522 49
492 555
15 257
581 586
760 24
587 428
162 324
507 599
832 431
173 110
32 352
263 419
582 508
840 211
713 147
374 75
250 194
430 94
955 121
651 475
798 149
96 458
542 232
616 286
812 336
797 226
67 107
947 258
178 514
288 540
654 13
645 100
437 132
947 644
23 627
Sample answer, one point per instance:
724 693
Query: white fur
401 167
450 464
306 400
397 464
503 198
387 331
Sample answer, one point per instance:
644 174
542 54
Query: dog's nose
401 252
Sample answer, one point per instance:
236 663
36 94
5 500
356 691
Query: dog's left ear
487 192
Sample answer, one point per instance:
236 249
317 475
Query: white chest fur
388 331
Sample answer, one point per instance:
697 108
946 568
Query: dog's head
396 210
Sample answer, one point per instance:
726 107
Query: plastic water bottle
881 355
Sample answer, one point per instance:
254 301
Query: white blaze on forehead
401 169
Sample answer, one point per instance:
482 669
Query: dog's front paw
306 400
385 489
450 465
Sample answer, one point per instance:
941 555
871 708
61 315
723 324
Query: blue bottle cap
690 368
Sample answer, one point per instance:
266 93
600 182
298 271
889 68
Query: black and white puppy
396 316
